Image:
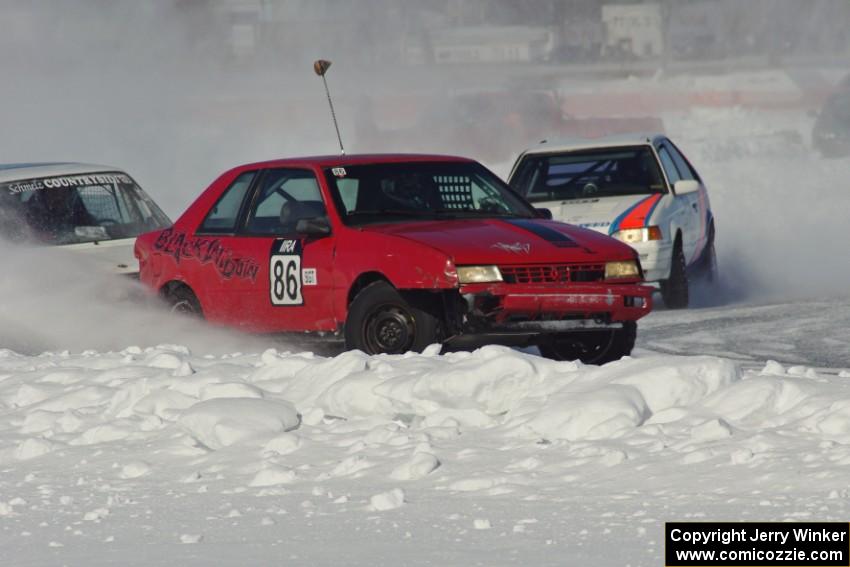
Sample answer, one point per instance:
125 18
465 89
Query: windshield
392 192
588 174
73 209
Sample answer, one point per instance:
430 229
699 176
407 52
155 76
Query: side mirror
543 213
318 226
685 186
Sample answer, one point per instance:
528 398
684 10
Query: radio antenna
321 67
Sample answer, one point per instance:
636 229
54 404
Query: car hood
114 256
602 214
509 241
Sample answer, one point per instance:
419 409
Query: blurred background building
506 31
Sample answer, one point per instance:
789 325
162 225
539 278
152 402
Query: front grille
552 274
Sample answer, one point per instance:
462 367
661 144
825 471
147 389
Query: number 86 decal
285 273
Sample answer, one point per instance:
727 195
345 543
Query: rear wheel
381 321
182 301
674 290
592 347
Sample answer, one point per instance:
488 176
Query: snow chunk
389 500
185 369
603 413
32 448
666 382
230 390
134 470
38 421
418 466
741 456
754 399
313 416
223 422
283 444
96 515
712 430
191 538
350 465
165 360
835 420
272 476
773 368
165 404
29 394
609 401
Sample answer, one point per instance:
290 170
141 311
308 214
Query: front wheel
381 321
592 347
674 290
707 266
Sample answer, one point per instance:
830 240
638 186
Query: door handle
695 206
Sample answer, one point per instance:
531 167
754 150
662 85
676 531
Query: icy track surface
161 457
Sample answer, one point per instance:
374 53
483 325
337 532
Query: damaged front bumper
518 314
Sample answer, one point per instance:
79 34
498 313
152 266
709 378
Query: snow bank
256 401
392 436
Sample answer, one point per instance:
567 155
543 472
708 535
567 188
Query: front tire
708 262
381 321
592 347
674 290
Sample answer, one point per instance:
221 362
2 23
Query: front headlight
478 274
625 269
634 235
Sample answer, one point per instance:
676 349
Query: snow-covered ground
196 455
157 456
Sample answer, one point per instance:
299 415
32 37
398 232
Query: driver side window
681 163
285 197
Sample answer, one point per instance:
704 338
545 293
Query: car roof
355 159
21 171
612 141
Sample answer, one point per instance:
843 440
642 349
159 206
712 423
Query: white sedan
637 188
92 209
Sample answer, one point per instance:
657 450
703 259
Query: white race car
637 188
93 209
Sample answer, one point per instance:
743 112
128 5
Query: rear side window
225 214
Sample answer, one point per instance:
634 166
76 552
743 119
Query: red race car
392 253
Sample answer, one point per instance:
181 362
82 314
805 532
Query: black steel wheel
381 321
